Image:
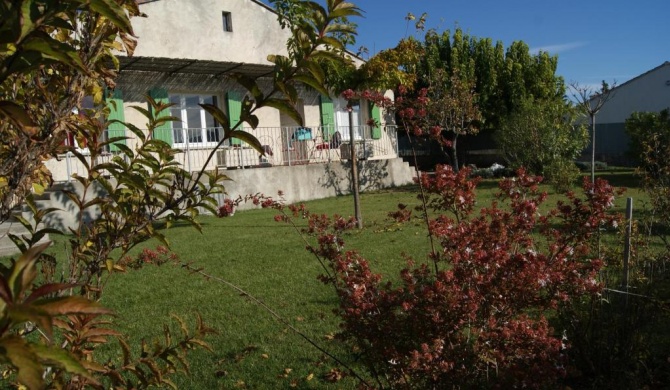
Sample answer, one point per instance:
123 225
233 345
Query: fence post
288 147
185 134
626 248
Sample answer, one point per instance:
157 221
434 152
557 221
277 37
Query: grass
269 261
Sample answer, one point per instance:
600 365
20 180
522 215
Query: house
187 50
648 92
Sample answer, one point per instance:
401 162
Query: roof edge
666 63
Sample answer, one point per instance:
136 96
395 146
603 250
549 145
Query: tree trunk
354 173
454 160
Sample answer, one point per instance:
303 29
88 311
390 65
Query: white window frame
186 127
342 119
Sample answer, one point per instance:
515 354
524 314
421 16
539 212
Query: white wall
193 29
647 92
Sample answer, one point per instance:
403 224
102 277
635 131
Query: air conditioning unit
221 158
236 158
364 151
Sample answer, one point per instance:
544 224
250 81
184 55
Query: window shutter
327 117
164 131
375 115
234 112
115 104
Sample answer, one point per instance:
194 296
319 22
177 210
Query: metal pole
626 248
354 172
593 148
288 147
185 134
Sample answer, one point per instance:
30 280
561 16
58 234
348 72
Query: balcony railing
282 145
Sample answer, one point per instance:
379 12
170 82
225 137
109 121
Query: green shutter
234 112
115 104
164 131
327 117
375 114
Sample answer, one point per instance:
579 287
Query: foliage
453 106
479 317
393 67
503 78
45 73
650 138
45 70
37 309
543 138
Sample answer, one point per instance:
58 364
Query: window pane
176 99
193 119
209 120
192 102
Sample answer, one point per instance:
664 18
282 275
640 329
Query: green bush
561 174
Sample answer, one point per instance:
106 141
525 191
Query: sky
611 40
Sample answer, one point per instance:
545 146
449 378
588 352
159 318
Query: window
227 22
342 119
197 127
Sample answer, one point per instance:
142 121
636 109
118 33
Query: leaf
20 314
53 49
312 82
63 359
20 356
285 107
23 271
249 84
114 12
218 115
18 117
48 289
182 325
71 305
249 139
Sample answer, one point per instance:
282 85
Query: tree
650 144
591 102
453 107
45 71
542 137
503 79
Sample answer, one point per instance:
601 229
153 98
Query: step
7 247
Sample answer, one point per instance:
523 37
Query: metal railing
282 146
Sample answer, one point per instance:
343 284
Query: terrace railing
286 145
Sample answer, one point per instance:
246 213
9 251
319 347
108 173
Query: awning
188 66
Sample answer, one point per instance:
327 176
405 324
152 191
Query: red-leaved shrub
477 316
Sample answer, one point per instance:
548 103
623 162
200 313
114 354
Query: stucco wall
298 183
193 29
317 181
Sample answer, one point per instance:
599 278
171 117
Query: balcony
283 146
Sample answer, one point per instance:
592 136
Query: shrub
476 315
561 174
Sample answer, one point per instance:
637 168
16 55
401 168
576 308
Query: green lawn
268 260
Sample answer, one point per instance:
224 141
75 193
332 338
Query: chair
333 144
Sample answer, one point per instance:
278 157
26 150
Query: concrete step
7 247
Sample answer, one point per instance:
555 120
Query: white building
648 92
187 50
